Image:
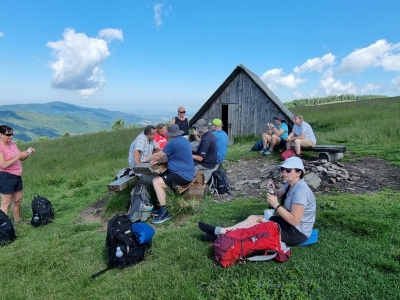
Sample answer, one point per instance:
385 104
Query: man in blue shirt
221 139
178 154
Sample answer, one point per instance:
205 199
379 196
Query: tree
119 124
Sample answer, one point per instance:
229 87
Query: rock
312 180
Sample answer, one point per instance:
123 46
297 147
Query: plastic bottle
119 253
36 218
271 191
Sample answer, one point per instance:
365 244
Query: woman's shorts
282 144
172 179
10 183
289 234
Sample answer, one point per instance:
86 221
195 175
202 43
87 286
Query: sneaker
164 216
268 152
156 212
263 150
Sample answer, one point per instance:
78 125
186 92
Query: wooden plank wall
250 109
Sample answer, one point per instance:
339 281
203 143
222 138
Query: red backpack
240 244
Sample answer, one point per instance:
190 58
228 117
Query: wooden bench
122 183
328 152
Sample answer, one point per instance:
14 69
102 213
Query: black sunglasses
287 170
9 134
182 112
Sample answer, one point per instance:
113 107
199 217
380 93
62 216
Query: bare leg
16 205
275 140
297 145
159 187
249 222
6 200
266 138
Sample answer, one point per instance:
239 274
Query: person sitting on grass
276 135
178 154
302 135
296 211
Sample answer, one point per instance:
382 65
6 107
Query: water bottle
271 191
268 213
119 253
36 218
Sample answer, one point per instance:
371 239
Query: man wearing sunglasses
182 121
296 209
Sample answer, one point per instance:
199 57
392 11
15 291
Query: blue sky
131 55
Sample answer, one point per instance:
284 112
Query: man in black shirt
206 154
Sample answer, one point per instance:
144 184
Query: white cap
293 163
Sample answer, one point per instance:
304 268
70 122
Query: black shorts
172 179
282 144
10 183
289 234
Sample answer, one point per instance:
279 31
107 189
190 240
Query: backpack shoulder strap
99 273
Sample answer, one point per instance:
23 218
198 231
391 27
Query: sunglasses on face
287 170
9 134
182 112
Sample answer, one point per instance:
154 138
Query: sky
139 55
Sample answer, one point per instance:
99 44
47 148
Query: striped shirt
305 127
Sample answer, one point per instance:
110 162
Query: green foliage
357 255
119 124
330 99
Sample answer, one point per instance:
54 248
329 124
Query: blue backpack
257 146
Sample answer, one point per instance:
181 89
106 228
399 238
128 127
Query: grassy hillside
357 255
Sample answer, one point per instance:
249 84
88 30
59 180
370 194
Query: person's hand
271 185
30 150
194 132
272 200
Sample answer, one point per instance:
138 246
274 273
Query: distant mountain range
53 119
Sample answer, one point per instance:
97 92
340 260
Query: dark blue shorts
10 183
172 179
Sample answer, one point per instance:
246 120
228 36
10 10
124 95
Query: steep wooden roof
257 80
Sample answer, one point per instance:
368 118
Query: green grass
357 256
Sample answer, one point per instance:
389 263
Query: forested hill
330 99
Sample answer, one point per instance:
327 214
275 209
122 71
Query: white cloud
396 82
79 58
379 54
316 64
1 34
332 86
297 95
369 87
274 79
159 10
110 34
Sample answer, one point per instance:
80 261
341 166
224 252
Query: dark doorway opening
225 118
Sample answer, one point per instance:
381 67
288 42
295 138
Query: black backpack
140 206
43 212
219 183
122 246
7 232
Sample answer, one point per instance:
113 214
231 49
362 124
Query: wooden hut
245 105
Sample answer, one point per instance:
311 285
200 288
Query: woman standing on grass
10 172
296 210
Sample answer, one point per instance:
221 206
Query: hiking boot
164 216
268 152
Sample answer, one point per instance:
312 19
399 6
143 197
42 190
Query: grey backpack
140 207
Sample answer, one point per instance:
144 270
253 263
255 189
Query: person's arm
290 136
197 157
6 163
155 158
293 217
196 137
277 132
136 156
172 121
